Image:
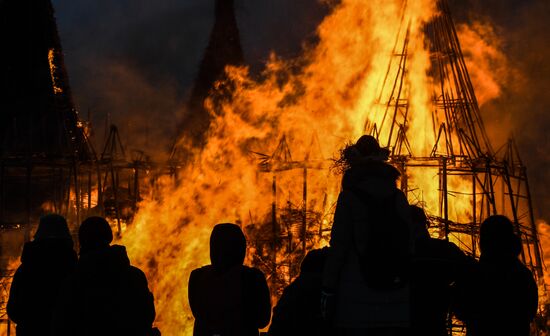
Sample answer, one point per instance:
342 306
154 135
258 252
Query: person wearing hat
226 297
365 284
45 263
106 295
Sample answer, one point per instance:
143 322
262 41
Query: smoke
133 63
516 31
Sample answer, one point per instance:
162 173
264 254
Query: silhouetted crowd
382 275
54 292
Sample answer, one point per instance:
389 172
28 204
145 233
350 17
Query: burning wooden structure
47 161
292 229
447 162
473 180
468 168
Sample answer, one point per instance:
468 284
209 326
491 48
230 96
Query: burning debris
394 70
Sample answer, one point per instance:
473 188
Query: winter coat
231 303
45 264
105 296
501 298
437 264
227 298
358 306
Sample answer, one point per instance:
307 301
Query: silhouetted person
227 298
45 263
106 295
502 296
367 268
437 265
298 311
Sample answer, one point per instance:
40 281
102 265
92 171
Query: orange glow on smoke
486 62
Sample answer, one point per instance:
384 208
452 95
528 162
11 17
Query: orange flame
332 97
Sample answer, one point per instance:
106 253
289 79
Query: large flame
330 98
338 90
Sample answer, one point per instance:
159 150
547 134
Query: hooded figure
502 296
106 295
227 298
45 263
369 203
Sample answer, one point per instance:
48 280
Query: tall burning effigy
393 69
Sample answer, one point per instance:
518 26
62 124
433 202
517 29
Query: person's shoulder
446 246
346 194
201 271
137 272
253 272
523 270
118 254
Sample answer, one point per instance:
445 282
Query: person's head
366 147
365 159
227 246
53 226
94 233
419 221
314 261
497 237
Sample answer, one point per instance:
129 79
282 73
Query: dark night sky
135 60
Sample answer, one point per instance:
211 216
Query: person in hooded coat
502 296
105 295
227 298
45 263
358 308
298 311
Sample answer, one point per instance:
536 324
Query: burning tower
223 49
440 145
42 140
474 180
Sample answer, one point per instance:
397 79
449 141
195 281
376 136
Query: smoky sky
522 27
133 63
